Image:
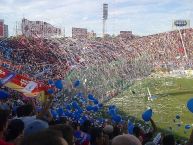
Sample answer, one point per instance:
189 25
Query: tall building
1 28
91 35
39 29
126 34
79 33
6 31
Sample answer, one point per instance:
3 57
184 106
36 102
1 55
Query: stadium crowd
55 57
28 125
167 49
26 121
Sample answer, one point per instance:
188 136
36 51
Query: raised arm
153 125
46 106
190 141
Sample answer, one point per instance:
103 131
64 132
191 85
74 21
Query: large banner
20 83
39 29
1 28
7 79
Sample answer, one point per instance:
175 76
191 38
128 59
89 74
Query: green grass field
172 95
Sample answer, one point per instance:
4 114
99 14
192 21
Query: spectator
125 140
86 126
35 126
144 137
3 126
96 136
67 132
117 58
116 130
25 113
46 137
168 140
14 131
190 141
108 130
150 143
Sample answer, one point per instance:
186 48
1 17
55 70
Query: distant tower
16 29
1 28
181 24
6 31
105 16
64 32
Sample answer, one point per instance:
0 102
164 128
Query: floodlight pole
104 22
105 15
183 45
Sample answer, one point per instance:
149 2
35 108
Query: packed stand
27 126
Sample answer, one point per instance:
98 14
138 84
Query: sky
142 17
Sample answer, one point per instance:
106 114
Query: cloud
143 16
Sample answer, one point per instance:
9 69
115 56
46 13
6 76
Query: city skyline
143 17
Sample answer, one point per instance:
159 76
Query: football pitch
169 99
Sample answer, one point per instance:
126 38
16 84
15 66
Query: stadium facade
126 34
6 31
3 29
39 29
78 33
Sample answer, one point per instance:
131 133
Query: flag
6 79
30 87
22 84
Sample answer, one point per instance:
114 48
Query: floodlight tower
105 16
